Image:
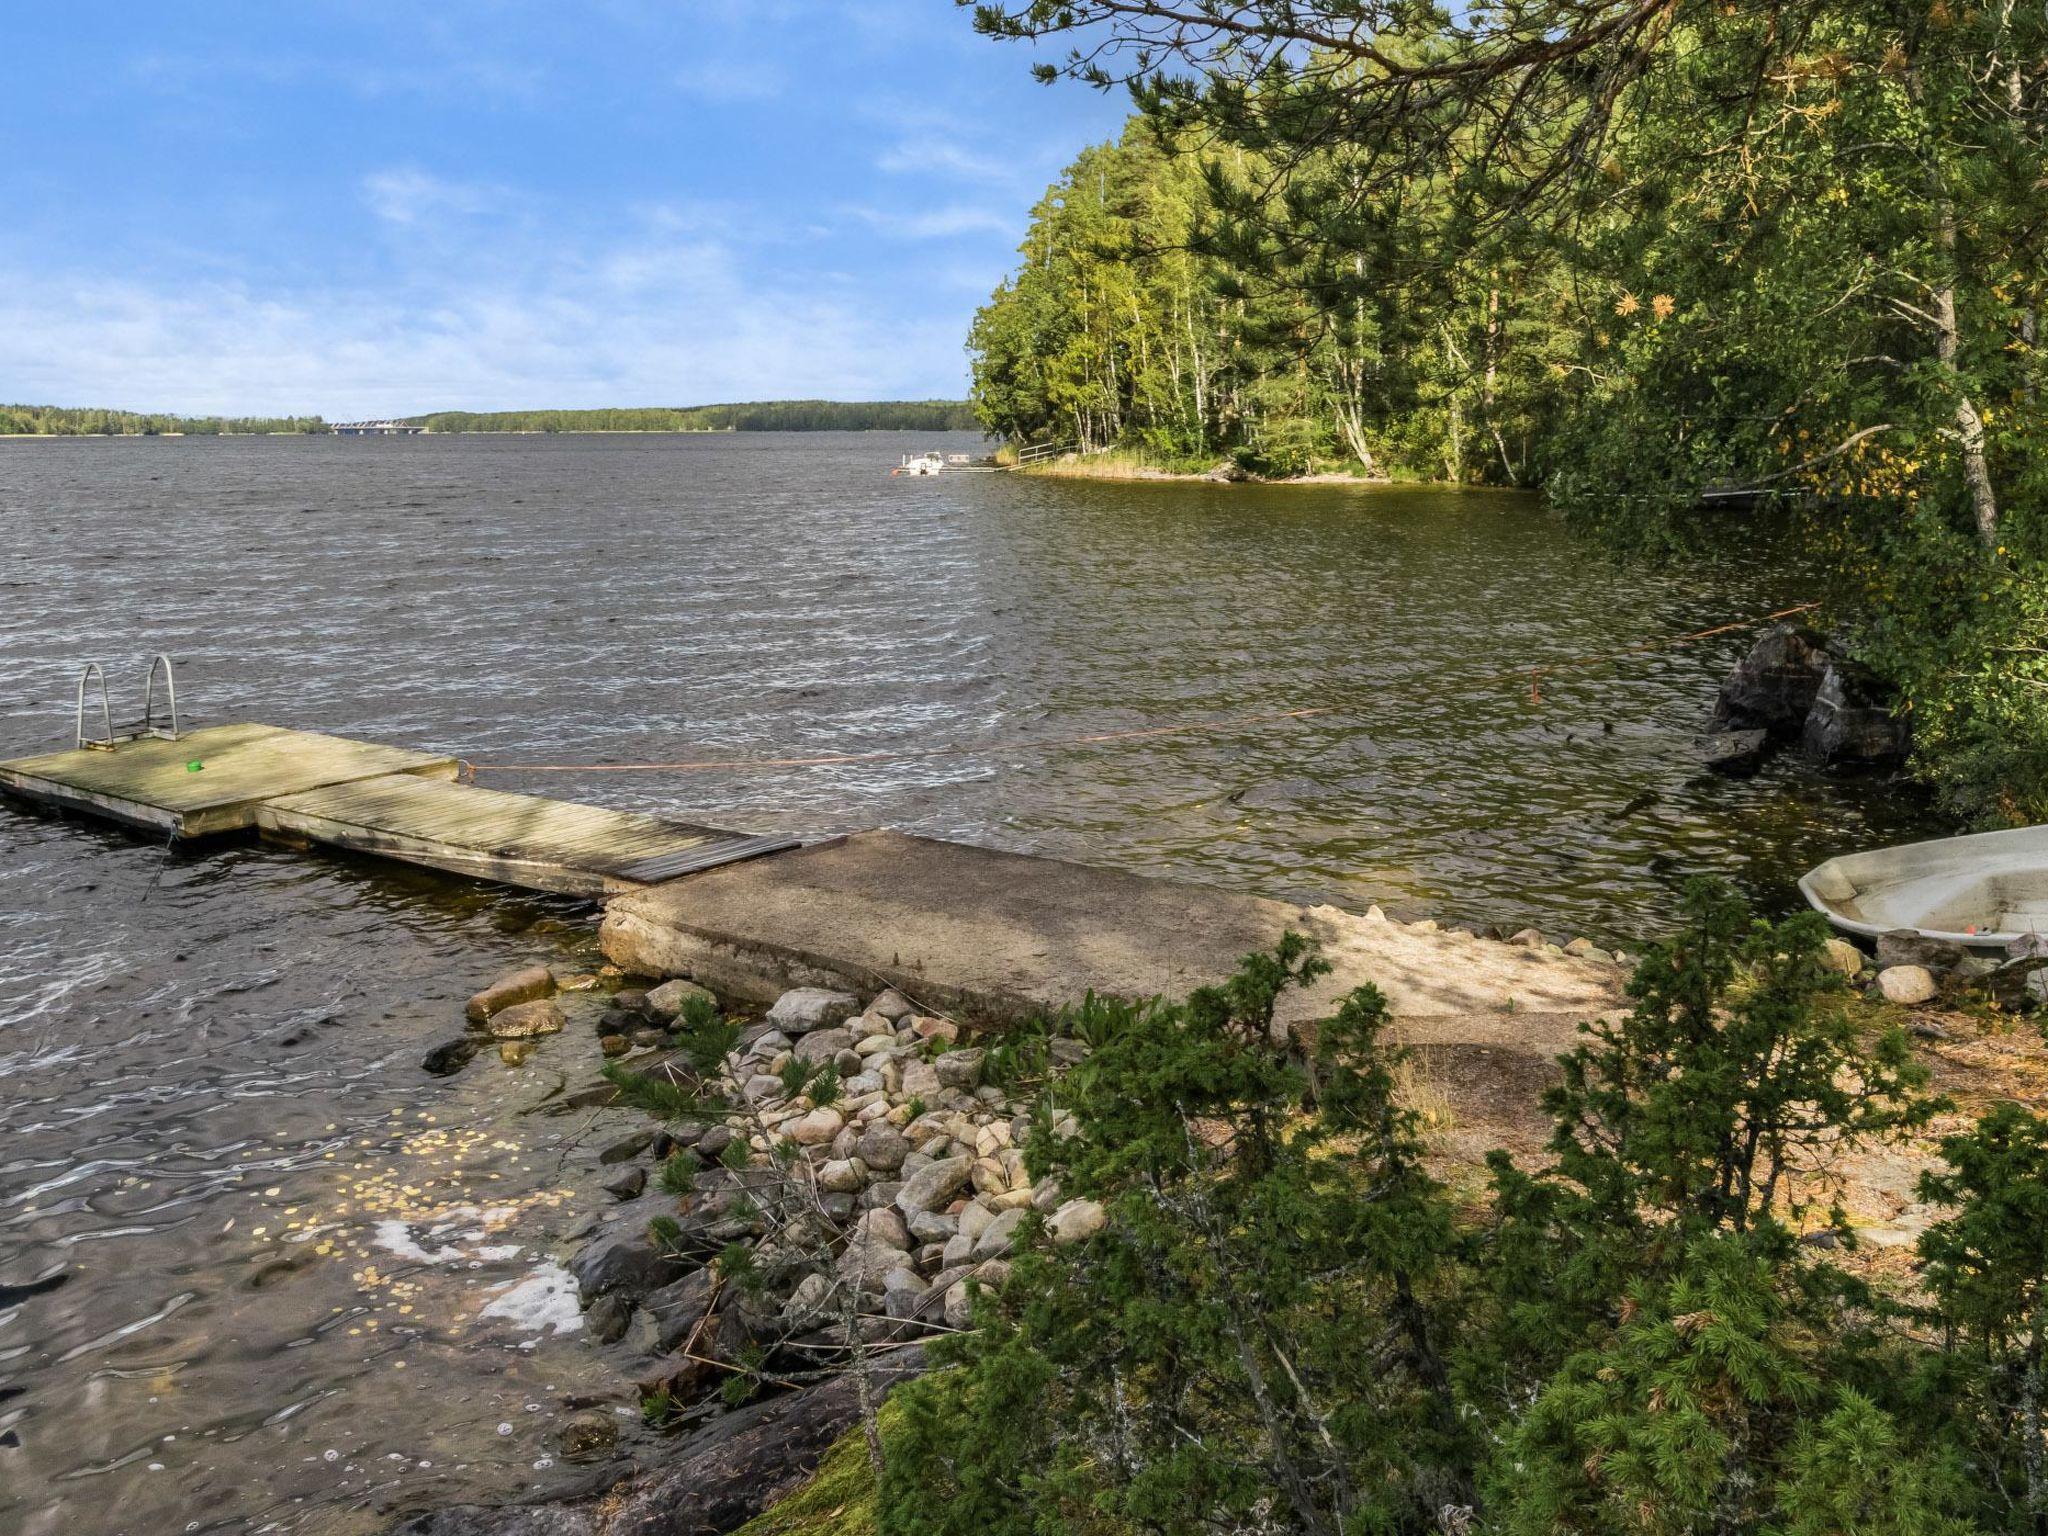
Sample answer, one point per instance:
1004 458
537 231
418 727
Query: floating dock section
307 788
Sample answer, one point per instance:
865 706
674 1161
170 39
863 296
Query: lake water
304 1284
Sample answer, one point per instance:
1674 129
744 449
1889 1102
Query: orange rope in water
1100 738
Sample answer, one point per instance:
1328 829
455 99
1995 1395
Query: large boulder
1853 722
1907 984
1905 946
1774 686
622 1258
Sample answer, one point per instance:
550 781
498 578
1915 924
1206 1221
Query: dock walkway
308 788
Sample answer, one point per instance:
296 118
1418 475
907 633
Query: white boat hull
1986 890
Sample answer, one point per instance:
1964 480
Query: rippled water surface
296 1283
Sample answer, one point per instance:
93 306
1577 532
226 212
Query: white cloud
912 220
641 321
405 195
942 157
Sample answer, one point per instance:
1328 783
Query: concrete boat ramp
983 934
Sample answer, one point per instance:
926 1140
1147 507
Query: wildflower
1628 304
1663 305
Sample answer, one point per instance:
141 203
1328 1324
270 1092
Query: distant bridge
377 429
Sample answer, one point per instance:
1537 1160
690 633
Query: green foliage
1661 259
59 421
697 1015
678 1173
666 1234
662 1097
1256 1322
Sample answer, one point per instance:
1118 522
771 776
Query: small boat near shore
920 464
1985 890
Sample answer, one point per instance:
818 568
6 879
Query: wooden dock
305 788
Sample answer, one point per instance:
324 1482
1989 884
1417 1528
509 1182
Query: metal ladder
134 730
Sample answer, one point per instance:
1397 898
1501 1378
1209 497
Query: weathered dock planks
303 787
154 784
548 845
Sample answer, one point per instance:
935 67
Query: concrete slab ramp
1001 936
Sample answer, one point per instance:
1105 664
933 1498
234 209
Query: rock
1228 473
678 1308
525 986
1903 946
666 1001
522 1021
957 1250
814 1128
1077 1221
823 1045
807 1303
804 1009
621 1257
1000 1235
902 1293
626 1148
1579 947
1840 955
1774 686
1527 938
933 1185
450 1056
882 1147
628 1185
933 1226
1737 754
1907 984
608 1317
614 1045
841 1176
1853 723
974 1219
712 1144
891 1005
514 1052
960 1070
587 1435
1927 1029
936 1029
883 1226
921 1081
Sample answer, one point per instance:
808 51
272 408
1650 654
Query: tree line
1672 262
61 421
753 416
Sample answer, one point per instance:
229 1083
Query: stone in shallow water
667 1000
523 986
450 1056
523 1020
588 1435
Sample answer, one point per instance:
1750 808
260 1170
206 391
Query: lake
295 1283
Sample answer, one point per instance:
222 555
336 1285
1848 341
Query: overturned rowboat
1987 890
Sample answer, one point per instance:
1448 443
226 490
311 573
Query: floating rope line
469 770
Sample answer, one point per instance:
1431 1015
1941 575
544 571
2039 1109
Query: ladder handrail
92 669
149 725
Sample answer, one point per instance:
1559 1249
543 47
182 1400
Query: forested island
752 416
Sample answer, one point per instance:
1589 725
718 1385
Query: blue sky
359 208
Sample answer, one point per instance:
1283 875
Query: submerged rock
1737 754
450 1056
